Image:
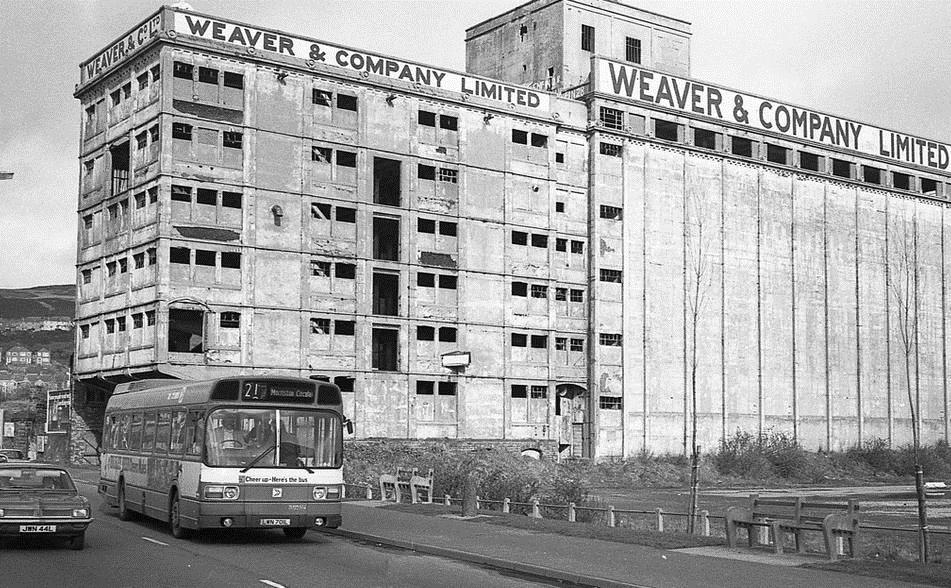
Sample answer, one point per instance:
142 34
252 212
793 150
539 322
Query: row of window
206 196
121 265
744 147
523 289
331 99
208 75
121 323
175 433
541 241
632 45
205 257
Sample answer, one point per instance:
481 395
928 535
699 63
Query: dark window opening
539 240
208 75
448 229
447 388
205 257
447 334
539 140
809 161
666 130
777 154
841 168
450 123
577 246
231 259
321 154
347 328
520 137
901 181
559 157
741 146
185 71
206 196
519 391
561 244
181 193
425 387
872 175
561 294
386 181
386 239
559 206
539 392
345 383
424 333
609 275
610 339
320 326
186 331
587 38
232 140
519 238
519 340
234 80
704 139
346 159
182 131
346 271
929 186
610 402
385 347
519 289
346 215
450 176
230 320
386 294
426 225
612 118
119 156
448 282
179 255
426 172
632 50
347 102
231 199
426 280
427 119
611 212
609 149
540 341
321 97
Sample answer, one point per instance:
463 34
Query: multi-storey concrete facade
472 258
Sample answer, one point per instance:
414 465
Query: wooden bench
794 515
407 482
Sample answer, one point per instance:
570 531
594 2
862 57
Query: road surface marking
156 541
270 583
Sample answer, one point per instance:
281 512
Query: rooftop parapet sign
694 98
313 52
116 53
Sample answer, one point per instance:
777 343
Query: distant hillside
40 301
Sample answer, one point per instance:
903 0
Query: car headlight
80 513
222 492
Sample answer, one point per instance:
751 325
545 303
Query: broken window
611 212
386 294
386 181
610 402
447 334
519 340
320 326
929 186
612 118
539 240
610 275
632 49
841 168
320 268
346 271
230 320
385 349
427 119
386 239
424 333
426 172
561 294
321 154
609 149
587 38
425 225
705 139
186 330
181 193
610 339
449 123
520 137
539 291
809 161
232 140
741 146
184 71
519 238
321 97
777 154
519 289
347 328
347 102
666 130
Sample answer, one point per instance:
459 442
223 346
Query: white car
11 455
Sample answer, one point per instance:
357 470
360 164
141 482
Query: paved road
143 553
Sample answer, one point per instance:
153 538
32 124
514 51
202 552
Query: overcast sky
880 62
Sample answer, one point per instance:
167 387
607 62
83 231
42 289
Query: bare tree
696 284
903 285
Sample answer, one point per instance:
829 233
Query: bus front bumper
313 515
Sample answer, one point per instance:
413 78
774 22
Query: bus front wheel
124 513
295 532
175 518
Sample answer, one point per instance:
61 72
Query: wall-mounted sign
307 50
121 49
652 89
456 359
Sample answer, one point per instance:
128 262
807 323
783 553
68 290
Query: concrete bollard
536 513
369 492
447 500
506 506
705 517
660 520
571 512
611 521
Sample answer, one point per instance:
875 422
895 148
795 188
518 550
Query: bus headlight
79 513
222 492
320 493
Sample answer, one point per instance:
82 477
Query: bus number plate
275 522
37 528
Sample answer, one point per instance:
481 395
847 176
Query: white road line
156 541
270 583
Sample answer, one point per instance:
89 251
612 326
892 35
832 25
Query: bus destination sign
277 392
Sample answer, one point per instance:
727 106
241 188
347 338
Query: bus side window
148 434
123 434
178 433
162 432
109 431
193 433
135 439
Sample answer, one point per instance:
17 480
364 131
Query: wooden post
571 512
705 517
611 521
478 502
536 513
369 492
660 520
506 506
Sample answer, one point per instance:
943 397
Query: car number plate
37 528
275 522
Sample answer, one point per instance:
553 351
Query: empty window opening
345 271
561 244
182 70
426 119
321 97
777 154
522 32
610 339
610 275
346 159
519 289
632 50
233 80
424 333
577 246
386 239
519 340
539 240
347 328
539 140
929 186
179 255
426 280
186 331
119 155
426 172
206 196
901 181
448 229
208 75
346 215
519 238
559 206
345 383
386 181
741 146
182 131
386 294
231 140
205 257
449 123
539 291
872 175
587 38
520 137
230 320
448 282
347 102
611 212
425 387
385 348
426 225
231 259
612 118
610 402
704 139
559 157
609 149
540 341
841 168
809 161
519 391
666 130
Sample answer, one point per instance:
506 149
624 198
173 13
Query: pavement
577 560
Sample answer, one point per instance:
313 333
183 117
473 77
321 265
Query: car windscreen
12 453
268 437
35 479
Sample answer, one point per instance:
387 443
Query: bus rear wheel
124 513
295 532
175 519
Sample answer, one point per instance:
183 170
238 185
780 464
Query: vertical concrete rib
792 299
761 417
687 407
888 326
723 416
944 325
647 153
858 328
825 311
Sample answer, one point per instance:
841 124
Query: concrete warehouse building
524 253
